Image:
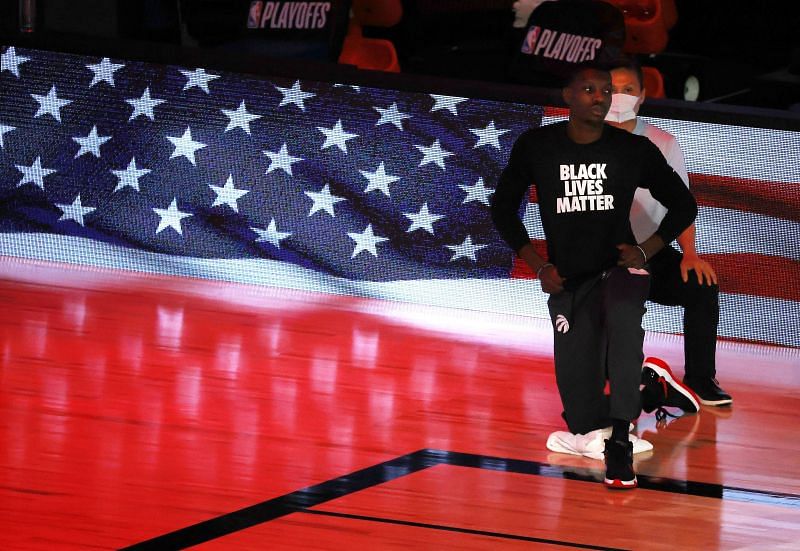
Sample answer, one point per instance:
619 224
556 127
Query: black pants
700 310
603 342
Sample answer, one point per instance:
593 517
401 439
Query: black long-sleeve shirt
585 193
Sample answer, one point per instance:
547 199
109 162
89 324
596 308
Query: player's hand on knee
703 270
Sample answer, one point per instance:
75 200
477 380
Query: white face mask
623 107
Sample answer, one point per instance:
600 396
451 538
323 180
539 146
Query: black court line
459 530
304 499
657 483
290 503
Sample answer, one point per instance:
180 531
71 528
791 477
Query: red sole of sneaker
617 484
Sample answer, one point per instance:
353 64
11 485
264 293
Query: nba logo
530 39
254 18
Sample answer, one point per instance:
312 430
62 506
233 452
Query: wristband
542 267
644 254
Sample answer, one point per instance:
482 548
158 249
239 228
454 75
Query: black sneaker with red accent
619 465
662 389
708 391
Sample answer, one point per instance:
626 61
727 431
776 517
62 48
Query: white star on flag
271 234
433 154
392 115
422 220
281 160
10 61
489 135
198 78
294 95
185 146
466 249
171 217
379 180
75 211
91 143
336 136
130 176
4 129
50 104
446 102
240 118
477 192
104 71
228 194
34 174
323 200
366 241
144 105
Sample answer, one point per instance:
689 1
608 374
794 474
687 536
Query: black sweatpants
598 336
700 310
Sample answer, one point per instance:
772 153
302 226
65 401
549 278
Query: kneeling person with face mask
676 279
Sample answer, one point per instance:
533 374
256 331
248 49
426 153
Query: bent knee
700 291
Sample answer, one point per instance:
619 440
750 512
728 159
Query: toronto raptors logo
562 324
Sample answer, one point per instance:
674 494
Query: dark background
742 53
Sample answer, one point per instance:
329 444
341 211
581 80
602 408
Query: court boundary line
446 528
304 499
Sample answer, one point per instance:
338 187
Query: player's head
626 76
587 92
627 83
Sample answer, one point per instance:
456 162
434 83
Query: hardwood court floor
167 412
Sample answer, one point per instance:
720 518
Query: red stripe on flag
776 199
744 274
556 112
757 275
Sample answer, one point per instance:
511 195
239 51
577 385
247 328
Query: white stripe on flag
735 231
743 152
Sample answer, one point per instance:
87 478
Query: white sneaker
592 444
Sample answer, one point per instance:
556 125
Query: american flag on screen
326 187
364 184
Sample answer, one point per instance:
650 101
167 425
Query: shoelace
661 417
